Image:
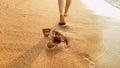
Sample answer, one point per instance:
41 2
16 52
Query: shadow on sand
25 60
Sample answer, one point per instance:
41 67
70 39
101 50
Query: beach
22 44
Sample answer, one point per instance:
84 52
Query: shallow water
115 3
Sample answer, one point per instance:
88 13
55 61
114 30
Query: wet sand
22 44
111 39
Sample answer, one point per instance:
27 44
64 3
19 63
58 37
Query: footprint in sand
57 39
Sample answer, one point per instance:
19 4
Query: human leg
61 11
68 3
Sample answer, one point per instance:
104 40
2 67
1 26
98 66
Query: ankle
62 15
62 18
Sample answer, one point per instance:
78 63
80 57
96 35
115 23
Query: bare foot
62 20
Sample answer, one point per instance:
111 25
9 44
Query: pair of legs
63 11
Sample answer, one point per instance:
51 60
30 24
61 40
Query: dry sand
22 44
